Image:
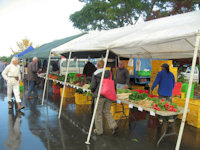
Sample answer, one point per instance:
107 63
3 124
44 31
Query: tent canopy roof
44 50
28 50
168 37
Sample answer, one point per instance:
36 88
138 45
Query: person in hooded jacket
166 81
104 104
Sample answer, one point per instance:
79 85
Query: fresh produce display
76 79
143 100
124 96
164 105
89 94
136 96
86 86
120 91
80 91
61 78
145 103
79 81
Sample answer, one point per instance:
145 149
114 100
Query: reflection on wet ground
38 127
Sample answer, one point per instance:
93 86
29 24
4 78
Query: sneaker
10 105
20 108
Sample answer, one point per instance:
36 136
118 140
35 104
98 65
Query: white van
74 66
187 74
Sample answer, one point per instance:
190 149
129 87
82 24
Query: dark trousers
32 87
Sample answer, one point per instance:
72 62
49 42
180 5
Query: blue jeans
32 87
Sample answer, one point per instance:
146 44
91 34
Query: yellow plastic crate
182 95
69 92
131 70
108 68
194 122
174 70
156 64
125 62
193 116
116 111
137 87
82 99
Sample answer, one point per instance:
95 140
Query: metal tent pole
189 91
118 59
46 78
97 101
22 69
64 85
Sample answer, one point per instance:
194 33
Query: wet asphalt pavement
38 128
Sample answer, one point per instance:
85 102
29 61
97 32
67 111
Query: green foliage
6 58
89 94
80 91
61 77
164 105
108 14
22 45
136 96
196 85
120 91
181 78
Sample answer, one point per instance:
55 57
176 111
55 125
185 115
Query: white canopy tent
170 37
155 38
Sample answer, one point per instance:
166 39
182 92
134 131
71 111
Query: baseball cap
165 65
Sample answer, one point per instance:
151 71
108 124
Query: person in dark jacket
32 78
44 66
104 104
88 70
122 76
166 81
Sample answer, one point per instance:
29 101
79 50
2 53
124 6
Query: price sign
152 113
130 106
140 108
118 101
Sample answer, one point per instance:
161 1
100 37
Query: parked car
187 72
75 66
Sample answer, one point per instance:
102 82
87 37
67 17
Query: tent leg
70 54
97 100
118 60
46 78
199 68
22 69
188 92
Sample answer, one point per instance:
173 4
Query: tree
108 14
22 45
6 58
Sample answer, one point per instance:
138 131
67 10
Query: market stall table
131 105
154 113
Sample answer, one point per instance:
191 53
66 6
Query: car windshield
81 63
71 64
189 70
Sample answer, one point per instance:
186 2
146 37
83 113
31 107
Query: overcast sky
40 21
